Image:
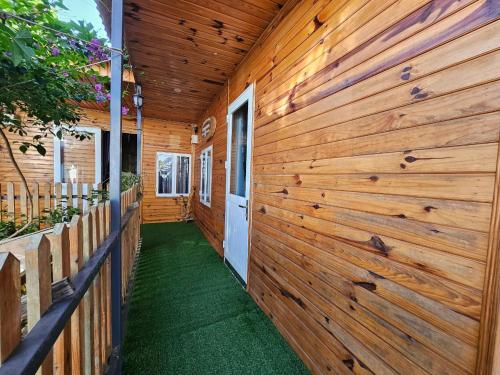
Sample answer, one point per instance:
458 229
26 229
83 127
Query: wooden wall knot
429 208
349 363
405 76
218 24
135 7
376 275
377 243
366 285
297 300
317 23
262 210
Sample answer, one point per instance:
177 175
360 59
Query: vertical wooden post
88 306
77 328
35 194
98 317
99 194
104 284
10 305
23 200
59 243
46 198
11 201
58 194
69 194
39 287
79 196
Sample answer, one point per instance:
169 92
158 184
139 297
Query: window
173 173
206 176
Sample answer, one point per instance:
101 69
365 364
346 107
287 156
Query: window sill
207 204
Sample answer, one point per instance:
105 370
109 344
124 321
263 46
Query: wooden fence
52 262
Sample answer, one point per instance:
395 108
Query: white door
239 146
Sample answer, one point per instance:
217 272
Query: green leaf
41 150
20 50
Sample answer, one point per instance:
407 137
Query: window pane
239 151
182 175
203 174
209 176
165 164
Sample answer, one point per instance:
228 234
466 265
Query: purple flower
72 43
65 74
98 87
100 98
95 42
55 51
108 96
91 59
125 111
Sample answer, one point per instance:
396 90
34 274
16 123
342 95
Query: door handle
246 209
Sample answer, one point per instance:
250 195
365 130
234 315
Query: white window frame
174 175
203 198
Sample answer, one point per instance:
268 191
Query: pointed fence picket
52 259
46 197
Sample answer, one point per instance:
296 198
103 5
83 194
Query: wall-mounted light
138 98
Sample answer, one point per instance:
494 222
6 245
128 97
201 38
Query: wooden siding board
161 136
374 173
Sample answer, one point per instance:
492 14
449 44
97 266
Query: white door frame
58 172
246 96
97 154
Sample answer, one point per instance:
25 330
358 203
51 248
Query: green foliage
8 228
60 215
128 179
44 72
50 218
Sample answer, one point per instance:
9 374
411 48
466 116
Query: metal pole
115 161
139 141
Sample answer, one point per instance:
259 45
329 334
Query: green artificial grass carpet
189 315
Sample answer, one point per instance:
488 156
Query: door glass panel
182 175
165 163
239 151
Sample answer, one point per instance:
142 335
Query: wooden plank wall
161 136
375 176
37 168
211 219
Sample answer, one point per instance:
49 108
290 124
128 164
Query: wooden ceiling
184 50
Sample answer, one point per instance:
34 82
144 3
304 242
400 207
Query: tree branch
23 179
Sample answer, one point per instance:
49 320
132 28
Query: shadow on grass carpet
189 315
